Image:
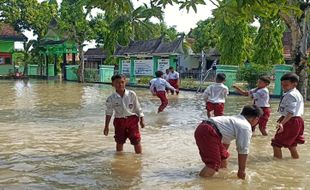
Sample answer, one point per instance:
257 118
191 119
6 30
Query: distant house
143 58
7 38
94 57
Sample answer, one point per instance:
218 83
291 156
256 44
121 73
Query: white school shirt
151 81
174 75
291 102
160 84
216 93
125 106
260 96
235 127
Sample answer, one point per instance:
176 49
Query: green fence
231 74
280 70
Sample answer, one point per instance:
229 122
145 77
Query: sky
181 19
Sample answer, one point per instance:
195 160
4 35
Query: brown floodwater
51 138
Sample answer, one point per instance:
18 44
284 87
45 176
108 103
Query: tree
74 23
205 35
270 35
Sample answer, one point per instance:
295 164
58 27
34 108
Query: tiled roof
95 53
154 46
8 33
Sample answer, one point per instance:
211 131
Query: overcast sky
182 20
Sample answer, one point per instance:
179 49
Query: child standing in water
174 79
128 113
290 125
215 95
214 135
260 96
158 88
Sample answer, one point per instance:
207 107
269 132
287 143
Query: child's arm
142 124
242 164
283 121
139 111
106 127
108 115
152 88
240 91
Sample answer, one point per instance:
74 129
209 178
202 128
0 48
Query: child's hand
241 174
142 124
234 86
106 131
280 128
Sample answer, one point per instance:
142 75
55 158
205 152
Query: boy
174 79
290 124
214 135
127 111
215 95
260 96
158 88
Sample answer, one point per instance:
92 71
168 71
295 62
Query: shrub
252 72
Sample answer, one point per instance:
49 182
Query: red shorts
262 122
218 108
292 134
127 128
211 149
174 83
163 98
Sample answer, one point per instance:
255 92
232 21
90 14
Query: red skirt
218 108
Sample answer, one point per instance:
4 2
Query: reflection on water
51 138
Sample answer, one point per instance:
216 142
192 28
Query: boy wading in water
214 135
158 88
215 95
260 96
128 114
290 125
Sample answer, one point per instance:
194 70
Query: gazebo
7 38
53 45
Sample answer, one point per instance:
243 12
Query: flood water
51 138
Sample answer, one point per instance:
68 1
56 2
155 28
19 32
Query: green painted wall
6 46
6 69
155 63
172 61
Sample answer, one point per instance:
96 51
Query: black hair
249 111
117 76
292 77
265 79
220 77
171 67
159 73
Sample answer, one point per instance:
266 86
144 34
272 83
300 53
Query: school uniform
211 134
291 102
127 112
173 78
261 99
158 87
215 95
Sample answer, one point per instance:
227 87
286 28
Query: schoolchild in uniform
127 112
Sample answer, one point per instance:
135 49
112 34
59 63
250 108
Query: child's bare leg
138 148
224 163
119 147
294 153
277 152
208 114
207 172
263 131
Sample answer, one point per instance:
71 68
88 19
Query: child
158 88
290 124
127 111
215 95
174 79
214 135
260 96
